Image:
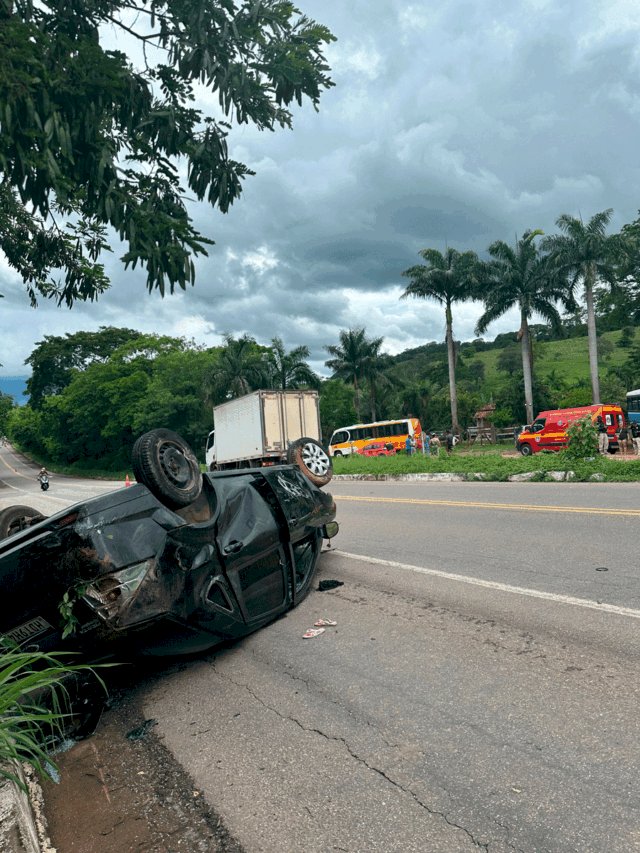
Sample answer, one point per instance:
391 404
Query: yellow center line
634 513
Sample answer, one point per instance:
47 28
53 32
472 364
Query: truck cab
210 451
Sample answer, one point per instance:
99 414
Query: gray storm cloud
457 125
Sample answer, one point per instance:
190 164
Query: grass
569 358
25 722
492 465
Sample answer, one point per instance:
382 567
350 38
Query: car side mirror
330 530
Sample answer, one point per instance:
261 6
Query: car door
252 547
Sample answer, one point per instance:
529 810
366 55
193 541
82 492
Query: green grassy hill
561 376
569 358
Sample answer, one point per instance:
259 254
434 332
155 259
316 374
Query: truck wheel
167 466
525 449
13 519
310 457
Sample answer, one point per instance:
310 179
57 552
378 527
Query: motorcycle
44 482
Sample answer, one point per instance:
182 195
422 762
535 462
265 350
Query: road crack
378 771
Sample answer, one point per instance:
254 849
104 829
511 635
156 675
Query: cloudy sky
454 123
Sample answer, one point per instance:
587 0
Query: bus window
340 437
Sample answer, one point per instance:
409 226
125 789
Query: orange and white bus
352 438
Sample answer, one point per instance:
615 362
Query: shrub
583 439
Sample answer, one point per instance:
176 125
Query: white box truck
269 428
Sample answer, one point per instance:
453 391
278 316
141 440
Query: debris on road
140 731
323 586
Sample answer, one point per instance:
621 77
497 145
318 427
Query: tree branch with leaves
89 142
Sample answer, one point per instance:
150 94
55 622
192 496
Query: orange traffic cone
127 481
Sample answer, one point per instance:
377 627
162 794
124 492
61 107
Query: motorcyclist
44 474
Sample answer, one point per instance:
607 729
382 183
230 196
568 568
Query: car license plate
30 629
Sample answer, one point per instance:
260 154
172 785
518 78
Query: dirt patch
117 795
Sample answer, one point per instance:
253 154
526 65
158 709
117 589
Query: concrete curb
479 476
23 826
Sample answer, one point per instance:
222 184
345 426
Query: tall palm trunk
356 395
373 401
589 281
525 342
451 355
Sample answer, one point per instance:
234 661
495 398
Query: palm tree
289 369
354 359
520 276
447 278
375 374
586 255
239 370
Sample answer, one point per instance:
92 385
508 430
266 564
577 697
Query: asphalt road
480 690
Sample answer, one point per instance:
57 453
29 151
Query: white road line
501 587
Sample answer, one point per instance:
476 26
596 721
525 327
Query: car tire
338 453
525 449
306 555
166 465
312 459
16 518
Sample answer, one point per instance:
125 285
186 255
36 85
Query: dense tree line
93 393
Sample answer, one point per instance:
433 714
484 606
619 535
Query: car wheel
13 519
305 555
167 466
525 449
338 453
310 457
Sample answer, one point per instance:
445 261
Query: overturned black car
175 564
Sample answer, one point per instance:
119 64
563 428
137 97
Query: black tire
525 449
312 459
338 453
305 554
166 465
44 486
16 518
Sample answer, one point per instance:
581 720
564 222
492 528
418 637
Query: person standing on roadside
603 438
449 441
408 445
425 444
435 444
634 428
